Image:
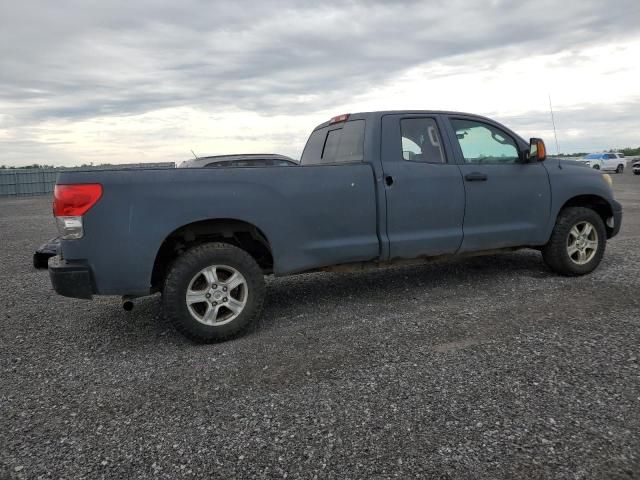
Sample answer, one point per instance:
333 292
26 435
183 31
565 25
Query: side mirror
537 150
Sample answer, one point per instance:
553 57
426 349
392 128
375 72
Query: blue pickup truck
371 189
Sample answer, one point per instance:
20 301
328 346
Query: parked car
636 168
373 189
614 162
240 160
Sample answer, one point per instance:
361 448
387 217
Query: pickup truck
371 190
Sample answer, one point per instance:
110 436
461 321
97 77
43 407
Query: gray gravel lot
489 367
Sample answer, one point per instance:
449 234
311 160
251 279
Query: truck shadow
311 294
306 297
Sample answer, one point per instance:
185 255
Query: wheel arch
236 232
596 203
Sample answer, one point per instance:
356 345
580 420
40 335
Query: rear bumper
71 279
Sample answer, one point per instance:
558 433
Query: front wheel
577 242
213 292
597 167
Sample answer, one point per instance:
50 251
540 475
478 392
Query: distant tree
33 165
631 152
577 154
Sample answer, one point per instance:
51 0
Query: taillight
70 202
75 200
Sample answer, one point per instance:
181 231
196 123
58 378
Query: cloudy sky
140 80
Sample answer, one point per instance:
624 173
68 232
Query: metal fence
23 182
27 181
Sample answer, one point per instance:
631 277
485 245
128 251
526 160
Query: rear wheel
620 168
577 243
214 292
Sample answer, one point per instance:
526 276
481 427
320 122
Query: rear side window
421 140
330 145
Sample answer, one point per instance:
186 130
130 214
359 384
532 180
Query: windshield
593 155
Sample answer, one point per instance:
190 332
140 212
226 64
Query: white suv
613 162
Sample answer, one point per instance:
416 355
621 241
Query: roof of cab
381 113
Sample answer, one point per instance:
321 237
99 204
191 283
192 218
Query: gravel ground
489 367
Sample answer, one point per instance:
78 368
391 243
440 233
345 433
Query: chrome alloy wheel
216 295
582 243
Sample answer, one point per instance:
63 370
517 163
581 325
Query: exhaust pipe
127 302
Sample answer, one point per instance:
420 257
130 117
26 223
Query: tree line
628 152
43 165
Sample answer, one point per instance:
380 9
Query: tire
636 173
210 314
597 167
556 253
620 169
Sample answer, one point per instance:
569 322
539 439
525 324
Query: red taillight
75 200
340 118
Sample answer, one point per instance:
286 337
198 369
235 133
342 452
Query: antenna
194 154
554 125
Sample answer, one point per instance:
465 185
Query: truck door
508 202
611 161
423 187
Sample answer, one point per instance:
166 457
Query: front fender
574 183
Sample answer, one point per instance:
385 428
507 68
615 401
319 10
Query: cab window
482 143
421 140
342 143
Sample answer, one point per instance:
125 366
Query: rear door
611 161
507 202
423 187
614 161
334 196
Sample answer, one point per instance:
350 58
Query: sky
148 81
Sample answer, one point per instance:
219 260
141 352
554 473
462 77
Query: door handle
388 180
475 177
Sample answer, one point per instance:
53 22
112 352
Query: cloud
582 128
74 61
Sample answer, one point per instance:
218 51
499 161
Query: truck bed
311 217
